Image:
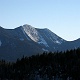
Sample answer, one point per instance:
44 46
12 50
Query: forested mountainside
27 40
46 66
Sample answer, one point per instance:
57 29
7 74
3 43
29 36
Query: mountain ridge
27 40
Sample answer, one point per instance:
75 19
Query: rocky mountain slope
27 40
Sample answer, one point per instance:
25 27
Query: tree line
47 66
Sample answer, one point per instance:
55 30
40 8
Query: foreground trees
46 66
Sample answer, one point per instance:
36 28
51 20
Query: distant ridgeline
46 66
27 40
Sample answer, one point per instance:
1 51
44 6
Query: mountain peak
27 40
31 32
27 26
34 34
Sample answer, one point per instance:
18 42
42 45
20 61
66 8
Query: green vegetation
46 66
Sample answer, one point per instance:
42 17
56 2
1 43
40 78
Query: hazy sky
60 16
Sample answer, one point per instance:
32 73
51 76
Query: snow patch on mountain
0 43
42 41
53 37
24 33
21 39
58 42
31 32
44 49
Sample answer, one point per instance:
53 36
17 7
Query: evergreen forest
47 66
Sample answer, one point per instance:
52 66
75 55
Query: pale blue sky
60 16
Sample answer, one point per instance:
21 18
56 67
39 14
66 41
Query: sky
60 16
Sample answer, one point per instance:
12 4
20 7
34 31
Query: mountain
27 40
